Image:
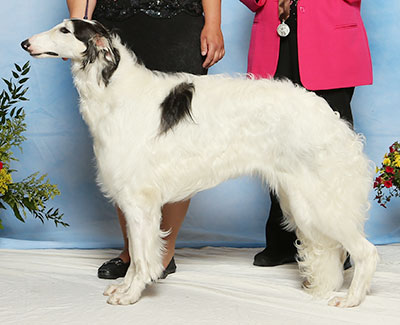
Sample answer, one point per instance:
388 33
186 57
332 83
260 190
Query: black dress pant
280 241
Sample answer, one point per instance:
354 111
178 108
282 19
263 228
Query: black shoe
171 268
265 258
269 258
116 268
113 269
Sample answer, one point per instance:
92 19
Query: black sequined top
121 9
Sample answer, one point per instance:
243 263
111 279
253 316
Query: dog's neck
88 79
95 93
92 78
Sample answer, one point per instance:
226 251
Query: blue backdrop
232 214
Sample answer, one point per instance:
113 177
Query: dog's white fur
290 137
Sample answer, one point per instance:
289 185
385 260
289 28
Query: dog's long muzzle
26 46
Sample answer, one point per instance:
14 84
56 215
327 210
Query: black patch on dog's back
176 106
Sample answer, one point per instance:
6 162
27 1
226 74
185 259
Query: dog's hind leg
319 257
320 262
327 233
145 248
365 258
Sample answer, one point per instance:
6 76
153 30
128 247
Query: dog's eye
64 30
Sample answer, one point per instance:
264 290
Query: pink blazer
332 43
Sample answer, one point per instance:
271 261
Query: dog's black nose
25 45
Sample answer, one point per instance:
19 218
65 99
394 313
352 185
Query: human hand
212 44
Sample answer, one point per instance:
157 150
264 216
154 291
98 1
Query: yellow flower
386 161
376 170
5 179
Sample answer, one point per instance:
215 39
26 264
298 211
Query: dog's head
76 39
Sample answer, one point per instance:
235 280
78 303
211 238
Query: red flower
389 169
378 180
388 184
391 148
1 165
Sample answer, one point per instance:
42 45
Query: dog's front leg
145 248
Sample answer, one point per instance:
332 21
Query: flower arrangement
32 193
387 184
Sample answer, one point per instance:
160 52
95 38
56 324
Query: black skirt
163 44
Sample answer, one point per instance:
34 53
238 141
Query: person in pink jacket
321 45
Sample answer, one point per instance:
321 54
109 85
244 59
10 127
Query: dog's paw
123 298
115 288
110 290
344 302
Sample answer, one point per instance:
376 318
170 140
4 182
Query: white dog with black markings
162 138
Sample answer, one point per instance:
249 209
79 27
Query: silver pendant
283 30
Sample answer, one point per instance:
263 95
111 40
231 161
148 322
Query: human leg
117 267
280 242
173 215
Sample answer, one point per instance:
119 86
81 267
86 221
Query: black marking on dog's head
98 41
176 106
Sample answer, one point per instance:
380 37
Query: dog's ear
103 45
99 46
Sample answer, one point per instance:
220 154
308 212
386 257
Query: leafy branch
32 193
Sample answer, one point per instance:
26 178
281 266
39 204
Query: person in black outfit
281 243
168 36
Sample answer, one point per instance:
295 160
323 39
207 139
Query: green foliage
387 184
32 193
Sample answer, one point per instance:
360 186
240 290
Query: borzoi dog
162 138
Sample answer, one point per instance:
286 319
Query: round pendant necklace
283 29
